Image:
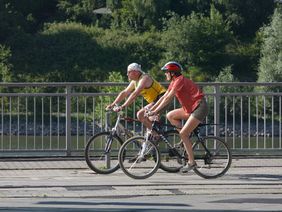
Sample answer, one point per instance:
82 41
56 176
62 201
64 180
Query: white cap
135 67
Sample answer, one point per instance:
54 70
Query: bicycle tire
171 162
96 157
212 165
135 166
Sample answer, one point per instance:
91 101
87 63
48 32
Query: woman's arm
165 100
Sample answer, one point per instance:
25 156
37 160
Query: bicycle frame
196 133
158 130
118 129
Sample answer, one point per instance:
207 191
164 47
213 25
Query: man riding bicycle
140 84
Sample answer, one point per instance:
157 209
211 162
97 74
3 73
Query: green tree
138 15
5 66
25 16
245 17
81 10
198 40
270 65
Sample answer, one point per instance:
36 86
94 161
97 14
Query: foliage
80 11
75 52
270 66
65 40
198 40
245 17
25 16
139 15
5 66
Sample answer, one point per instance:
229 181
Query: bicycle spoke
212 156
101 153
137 162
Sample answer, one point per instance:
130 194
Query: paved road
68 185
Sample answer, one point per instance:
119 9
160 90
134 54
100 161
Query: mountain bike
101 151
212 155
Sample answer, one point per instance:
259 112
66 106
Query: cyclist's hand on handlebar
109 107
149 113
117 108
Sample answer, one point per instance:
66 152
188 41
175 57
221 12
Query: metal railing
56 119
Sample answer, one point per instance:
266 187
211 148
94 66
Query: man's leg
145 120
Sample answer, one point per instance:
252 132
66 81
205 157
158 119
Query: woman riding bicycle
194 106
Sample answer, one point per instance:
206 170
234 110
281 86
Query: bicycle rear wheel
170 157
139 159
96 155
212 156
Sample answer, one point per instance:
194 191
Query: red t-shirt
187 93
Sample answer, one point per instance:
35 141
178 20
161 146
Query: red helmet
172 66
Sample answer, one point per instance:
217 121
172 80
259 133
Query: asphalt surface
67 184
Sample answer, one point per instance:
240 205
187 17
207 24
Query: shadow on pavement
263 177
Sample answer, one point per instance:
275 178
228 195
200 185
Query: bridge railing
56 119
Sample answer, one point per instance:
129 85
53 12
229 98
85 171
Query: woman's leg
176 116
185 132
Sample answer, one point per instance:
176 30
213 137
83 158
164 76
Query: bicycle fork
145 144
111 136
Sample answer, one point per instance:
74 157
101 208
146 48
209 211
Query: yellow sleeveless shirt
150 94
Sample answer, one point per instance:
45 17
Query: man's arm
122 95
142 84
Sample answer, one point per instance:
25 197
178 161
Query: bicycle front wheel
212 156
101 152
139 159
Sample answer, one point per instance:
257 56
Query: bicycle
212 155
101 151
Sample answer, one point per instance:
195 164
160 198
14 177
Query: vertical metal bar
241 120
207 131
26 122
18 134
77 122
249 122
85 109
272 122
217 108
68 120
101 119
50 144
34 121
233 99
2 123
42 123
107 121
10 123
93 116
264 122
280 134
58 122
225 116
257 134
